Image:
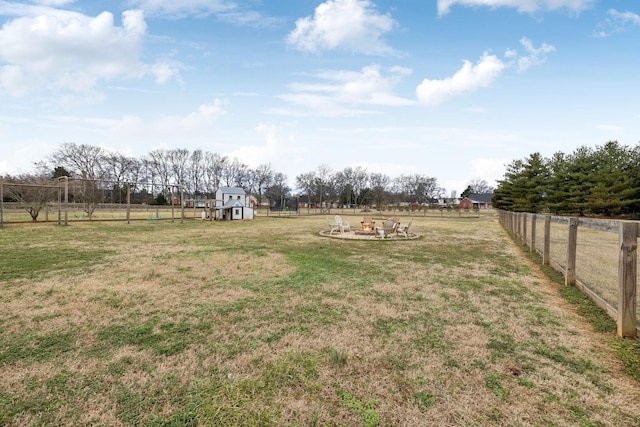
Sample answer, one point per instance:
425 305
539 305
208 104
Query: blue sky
453 89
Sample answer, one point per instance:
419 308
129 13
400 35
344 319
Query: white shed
231 204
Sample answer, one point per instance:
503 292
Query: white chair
343 226
332 227
387 229
404 230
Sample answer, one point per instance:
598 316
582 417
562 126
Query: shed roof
232 203
232 190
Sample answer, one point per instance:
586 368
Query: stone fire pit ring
354 235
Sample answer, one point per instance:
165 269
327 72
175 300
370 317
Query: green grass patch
162 338
562 356
493 382
365 409
596 316
628 351
32 346
27 262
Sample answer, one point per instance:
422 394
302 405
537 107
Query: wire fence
77 199
598 256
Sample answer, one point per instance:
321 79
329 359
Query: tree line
200 173
600 181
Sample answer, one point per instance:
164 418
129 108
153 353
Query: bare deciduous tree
380 184
213 167
263 177
479 186
31 192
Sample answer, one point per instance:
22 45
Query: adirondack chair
342 226
387 229
404 230
332 227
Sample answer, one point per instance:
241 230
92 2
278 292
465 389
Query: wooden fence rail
523 226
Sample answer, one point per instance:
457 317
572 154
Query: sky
451 89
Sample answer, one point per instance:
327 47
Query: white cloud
526 6
165 71
535 56
482 74
224 10
68 52
343 92
183 8
195 126
466 80
491 170
625 17
352 25
617 22
273 149
53 3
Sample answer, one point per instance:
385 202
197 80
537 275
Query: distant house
445 202
232 203
476 201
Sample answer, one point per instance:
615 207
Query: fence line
90 199
618 299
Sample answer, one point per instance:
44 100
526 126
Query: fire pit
367 231
367 227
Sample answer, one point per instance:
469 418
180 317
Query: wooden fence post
1 202
532 248
128 203
512 218
524 228
66 200
518 224
627 272
572 244
547 240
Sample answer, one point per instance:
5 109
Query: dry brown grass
284 327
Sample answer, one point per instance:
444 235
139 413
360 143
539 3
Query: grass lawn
265 322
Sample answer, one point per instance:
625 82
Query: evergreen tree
466 192
557 185
531 185
577 181
505 196
614 183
